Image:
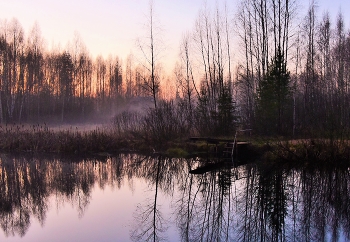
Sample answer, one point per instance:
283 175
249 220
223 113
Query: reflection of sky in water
108 217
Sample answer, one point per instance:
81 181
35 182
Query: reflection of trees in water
160 173
20 196
248 203
205 206
264 204
325 196
27 184
271 205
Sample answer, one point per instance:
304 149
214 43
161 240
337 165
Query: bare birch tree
150 53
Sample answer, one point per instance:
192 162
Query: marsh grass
41 138
310 152
127 133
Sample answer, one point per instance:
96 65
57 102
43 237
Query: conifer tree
274 99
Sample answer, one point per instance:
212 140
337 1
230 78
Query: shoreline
102 142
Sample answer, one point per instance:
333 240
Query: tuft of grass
177 152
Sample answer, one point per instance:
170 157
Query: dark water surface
140 198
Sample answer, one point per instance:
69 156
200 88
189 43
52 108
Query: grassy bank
74 140
77 140
308 153
40 138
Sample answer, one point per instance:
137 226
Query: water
139 198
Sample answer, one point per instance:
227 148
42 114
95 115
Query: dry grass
311 152
41 138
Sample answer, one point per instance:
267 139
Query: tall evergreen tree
226 118
274 99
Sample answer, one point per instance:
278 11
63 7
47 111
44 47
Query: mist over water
142 198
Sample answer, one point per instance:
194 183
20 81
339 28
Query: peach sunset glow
112 27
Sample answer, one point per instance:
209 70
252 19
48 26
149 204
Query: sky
113 26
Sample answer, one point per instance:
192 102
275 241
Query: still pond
133 197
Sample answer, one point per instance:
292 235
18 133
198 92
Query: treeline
269 69
296 74
290 75
58 85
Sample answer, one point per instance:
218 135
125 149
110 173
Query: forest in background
265 68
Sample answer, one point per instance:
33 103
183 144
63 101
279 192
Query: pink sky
112 26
